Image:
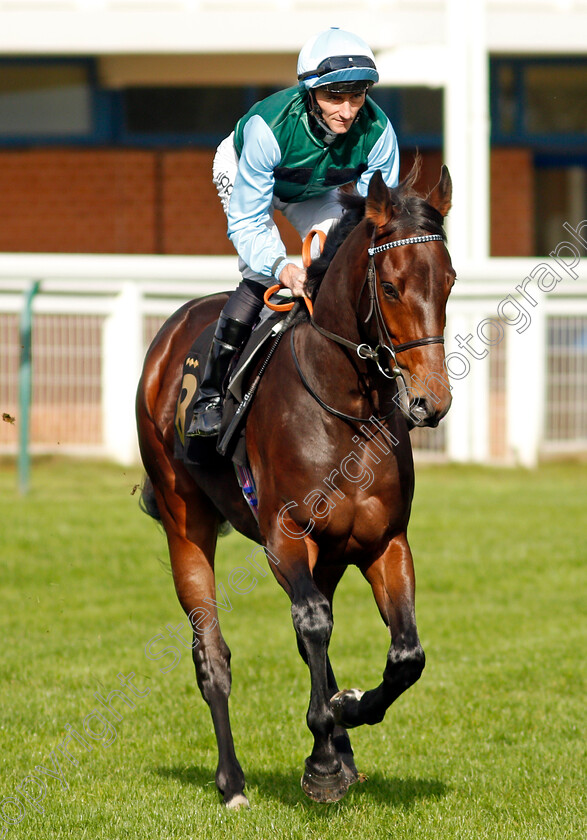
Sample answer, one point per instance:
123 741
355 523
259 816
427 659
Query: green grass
489 743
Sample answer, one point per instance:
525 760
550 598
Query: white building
498 88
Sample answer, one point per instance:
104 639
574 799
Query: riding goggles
341 62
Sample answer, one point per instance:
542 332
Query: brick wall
107 201
143 201
512 203
192 220
81 201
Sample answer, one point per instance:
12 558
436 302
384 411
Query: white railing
516 340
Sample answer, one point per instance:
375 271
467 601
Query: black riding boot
229 337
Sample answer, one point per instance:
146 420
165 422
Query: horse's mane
411 214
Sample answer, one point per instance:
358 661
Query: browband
411 239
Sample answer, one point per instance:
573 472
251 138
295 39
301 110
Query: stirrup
206 420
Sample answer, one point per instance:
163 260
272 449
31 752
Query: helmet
338 60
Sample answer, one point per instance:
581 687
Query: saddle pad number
189 385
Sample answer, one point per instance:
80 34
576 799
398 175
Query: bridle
364 350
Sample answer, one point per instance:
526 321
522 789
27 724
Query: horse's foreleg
341 740
327 579
392 579
324 779
191 525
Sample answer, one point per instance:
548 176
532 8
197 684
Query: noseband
365 351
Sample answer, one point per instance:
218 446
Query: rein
340 414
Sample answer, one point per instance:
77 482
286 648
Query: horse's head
412 282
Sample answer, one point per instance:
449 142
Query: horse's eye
390 291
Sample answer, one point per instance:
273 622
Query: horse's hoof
325 788
350 696
239 800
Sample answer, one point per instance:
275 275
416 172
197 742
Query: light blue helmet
337 59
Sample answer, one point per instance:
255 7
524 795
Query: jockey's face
339 109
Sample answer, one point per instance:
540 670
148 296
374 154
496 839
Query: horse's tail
147 501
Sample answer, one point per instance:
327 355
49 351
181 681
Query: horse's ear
441 196
379 207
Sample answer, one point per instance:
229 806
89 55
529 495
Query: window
416 114
47 101
560 195
540 102
205 115
176 115
556 98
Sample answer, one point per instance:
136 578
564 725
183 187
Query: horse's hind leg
392 579
191 524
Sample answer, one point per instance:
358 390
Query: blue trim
156 139
107 115
558 161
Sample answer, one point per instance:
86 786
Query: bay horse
327 439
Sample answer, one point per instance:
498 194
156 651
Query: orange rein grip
307 246
277 307
306 260
283 307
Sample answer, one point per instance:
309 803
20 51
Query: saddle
274 320
238 397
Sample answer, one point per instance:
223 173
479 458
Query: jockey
292 151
